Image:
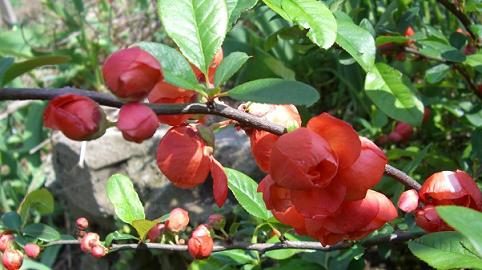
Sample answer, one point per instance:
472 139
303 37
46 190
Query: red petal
261 144
340 135
428 219
290 217
220 182
408 201
386 213
137 122
318 202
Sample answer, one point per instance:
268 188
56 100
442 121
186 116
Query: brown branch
462 17
215 108
396 237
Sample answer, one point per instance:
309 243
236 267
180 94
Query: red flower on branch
137 122
200 247
12 259
178 220
218 57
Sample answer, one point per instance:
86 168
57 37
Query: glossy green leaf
127 205
380 40
244 190
357 41
42 232
235 257
143 226
466 221
198 27
31 264
437 73
475 61
275 91
41 200
11 221
394 94
20 68
229 66
313 15
441 50
117 236
5 63
236 7
445 250
175 67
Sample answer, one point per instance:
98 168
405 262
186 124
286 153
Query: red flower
99 251
12 259
6 240
178 220
401 133
218 57
201 230
408 201
185 158
155 232
200 247
409 32
137 122
89 241
164 93
451 188
131 73
428 219
82 223
32 250
78 117
262 141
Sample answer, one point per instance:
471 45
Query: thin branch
216 108
396 237
462 17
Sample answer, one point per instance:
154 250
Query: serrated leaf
244 190
275 91
41 200
313 15
229 66
394 94
143 226
175 67
198 27
445 250
357 41
42 232
20 68
236 7
466 221
121 193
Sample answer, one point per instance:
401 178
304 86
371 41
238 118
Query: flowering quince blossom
155 232
131 73
178 220
441 188
78 117
262 141
401 133
201 244
218 57
164 93
137 122
12 259
89 241
6 240
186 159
320 178
32 250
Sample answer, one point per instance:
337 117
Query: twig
396 237
216 108
463 18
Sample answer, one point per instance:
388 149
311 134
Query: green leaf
117 236
20 68
234 257
380 40
127 205
42 232
283 254
143 226
437 73
11 221
440 50
313 15
445 250
275 91
244 190
475 61
394 94
236 7
198 27
41 200
229 66
466 221
357 41
31 264
175 67
5 63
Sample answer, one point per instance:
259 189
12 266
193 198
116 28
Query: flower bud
201 230
99 251
137 122
428 219
155 232
82 223
200 247
131 73
401 133
12 259
89 241
408 201
217 221
78 117
178 220
32 250
6 240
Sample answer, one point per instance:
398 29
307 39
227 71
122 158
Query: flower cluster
12 257
442 188
320 178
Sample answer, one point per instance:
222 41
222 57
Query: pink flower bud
6 240
32 250
408 201
89 241
99 251
200 247
82 223
217 221
155 232
178 220
137 122
201 230
12 259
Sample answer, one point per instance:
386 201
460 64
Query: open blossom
186 159
78 117
131 73
137 122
